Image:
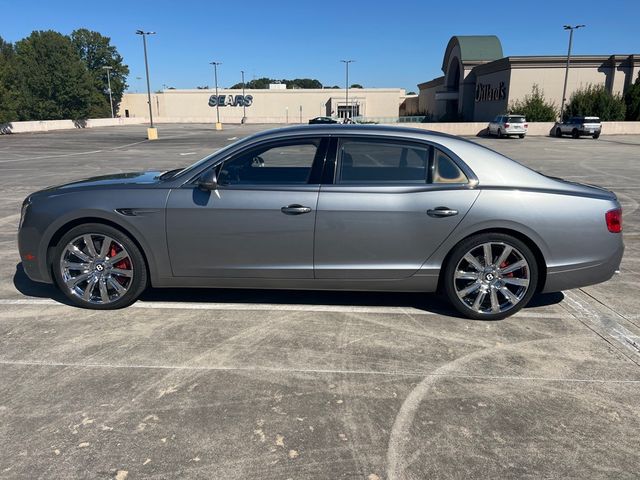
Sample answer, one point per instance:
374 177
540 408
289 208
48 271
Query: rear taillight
506 125
526 125
614 220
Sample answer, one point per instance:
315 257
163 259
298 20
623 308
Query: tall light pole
108 69
151 132
346 64
244 106
215 76
566 72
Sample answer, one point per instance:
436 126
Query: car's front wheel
97 266
490 276
558 132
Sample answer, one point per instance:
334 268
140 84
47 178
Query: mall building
273 105
479 82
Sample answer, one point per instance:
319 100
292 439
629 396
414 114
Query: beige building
480 83
263 106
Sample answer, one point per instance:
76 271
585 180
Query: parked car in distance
579 126
322 121
330 207
507 125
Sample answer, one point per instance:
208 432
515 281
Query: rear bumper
581 275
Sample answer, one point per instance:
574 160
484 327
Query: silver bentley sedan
327 207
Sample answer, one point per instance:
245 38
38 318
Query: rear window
515 119
379 162
591 120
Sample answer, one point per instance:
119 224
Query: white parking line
272 307
278 307
330 371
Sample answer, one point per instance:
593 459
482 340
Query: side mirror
208 180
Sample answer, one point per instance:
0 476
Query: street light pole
346 64
244 106
215 76
566 71
108 69
151 132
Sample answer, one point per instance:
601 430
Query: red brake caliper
122 264
503 265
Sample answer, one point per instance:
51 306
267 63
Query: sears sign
230 100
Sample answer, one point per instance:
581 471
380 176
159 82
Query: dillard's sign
485 93
231 100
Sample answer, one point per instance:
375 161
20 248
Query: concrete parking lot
304 385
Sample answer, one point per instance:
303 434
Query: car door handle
439 212
295 209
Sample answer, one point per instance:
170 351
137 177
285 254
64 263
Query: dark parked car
579 126
341 207
322 121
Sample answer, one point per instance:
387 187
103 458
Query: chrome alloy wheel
96 268
492 277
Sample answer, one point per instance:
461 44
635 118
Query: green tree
356 85
8 97
52 82
595 100
263 83
534 107
632 101
302 83
96 52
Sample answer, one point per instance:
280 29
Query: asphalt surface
305 385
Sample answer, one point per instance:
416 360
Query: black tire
558 132
136 263
521 135
470 244
500 135
596 135
575 133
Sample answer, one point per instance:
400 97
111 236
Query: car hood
131 179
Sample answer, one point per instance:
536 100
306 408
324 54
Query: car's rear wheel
575 133
596 135
558 132
97 266
500 134
490 276
521 135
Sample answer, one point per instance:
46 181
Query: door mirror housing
208 180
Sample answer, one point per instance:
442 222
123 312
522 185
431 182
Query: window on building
349 111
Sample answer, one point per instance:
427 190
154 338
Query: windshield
190 168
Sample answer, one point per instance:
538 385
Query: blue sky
395 44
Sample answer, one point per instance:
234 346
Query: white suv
507 125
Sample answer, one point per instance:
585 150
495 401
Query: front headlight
25 206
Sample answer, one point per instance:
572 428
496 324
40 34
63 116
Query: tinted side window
371 162
445 170
288 163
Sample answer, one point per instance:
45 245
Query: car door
258 222
390 205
